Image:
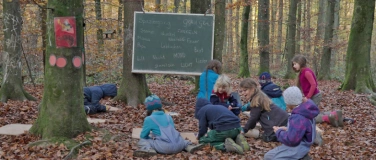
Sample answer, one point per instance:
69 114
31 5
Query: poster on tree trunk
65 32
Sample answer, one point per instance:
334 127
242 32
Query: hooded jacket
215 117
274 92
207 81
94 94
299 125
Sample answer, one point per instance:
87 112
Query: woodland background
104 64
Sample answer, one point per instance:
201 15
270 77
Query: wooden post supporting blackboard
171 43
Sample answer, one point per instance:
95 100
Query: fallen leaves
112 139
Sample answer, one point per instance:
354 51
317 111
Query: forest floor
112 140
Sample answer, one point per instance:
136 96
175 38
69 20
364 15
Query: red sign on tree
65 32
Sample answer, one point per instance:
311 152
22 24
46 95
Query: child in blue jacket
165 138
93 94
272 90
300 132
208 78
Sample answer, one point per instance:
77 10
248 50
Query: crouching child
165 139
300 132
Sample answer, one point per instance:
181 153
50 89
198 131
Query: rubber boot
339 118
318 118
144 153
318 139
333 121
193 148
231 146
255 133
242 142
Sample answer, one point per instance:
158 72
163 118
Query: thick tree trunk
133 87
279 38
290 45
298 27
335 34
61 112
244 70
272 29
11 87
230 30
319 35
307 47
328 37
98 17
263 35
358 65
237 21
158 5
219 32
177 5
118 28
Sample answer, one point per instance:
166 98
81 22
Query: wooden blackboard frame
169 72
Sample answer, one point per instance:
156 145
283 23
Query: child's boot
318 139
231 146
242 142
255 133
319 118
193 148
332 120
144 153
339 117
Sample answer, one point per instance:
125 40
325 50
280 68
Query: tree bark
219 31
11 87
184 9
244 69
177 5
263 35
291 30
307 48
298 27
328 37
237 21
279 38
358 65
158 6
319 35
61 113
272 29
98 17
133 87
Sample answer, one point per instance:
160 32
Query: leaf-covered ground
112 140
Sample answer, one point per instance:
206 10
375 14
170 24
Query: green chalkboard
172 43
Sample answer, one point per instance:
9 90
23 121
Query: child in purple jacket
300 132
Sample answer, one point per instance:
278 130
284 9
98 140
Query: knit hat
293 96
153 102
264 78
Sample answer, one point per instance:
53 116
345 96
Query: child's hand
283 128
275 128
305 99
229 108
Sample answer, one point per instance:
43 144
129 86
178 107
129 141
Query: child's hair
301 60
223 81
259 98
215 65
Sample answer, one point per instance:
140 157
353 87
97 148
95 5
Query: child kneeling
300 132
166 139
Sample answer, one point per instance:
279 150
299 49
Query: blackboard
172 43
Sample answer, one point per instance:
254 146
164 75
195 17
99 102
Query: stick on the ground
70 154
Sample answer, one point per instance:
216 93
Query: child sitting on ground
221 95
300 132
273 91
262 110
165 138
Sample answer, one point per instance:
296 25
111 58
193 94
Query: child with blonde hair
221 95
262 110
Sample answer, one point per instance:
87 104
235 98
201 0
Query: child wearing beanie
273 91
300 132
165 138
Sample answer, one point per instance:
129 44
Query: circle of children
218 108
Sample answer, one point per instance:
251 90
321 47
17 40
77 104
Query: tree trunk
307 48
237 21
272 30
219 32
358 65
328 37
11 87
177 5
118 28
98 17
291 30
61 111
184 9
44 39
279 39
158 6
244 70
319 35
230 30
263 35
298 27
133 86
335 33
